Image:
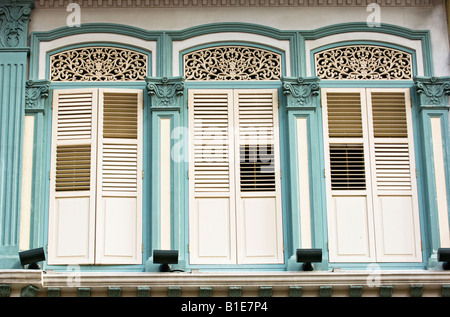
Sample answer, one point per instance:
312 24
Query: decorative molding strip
302 93
232 63
98 64
433 91
228 3
321 283
35 91
14 18
165 92
362 62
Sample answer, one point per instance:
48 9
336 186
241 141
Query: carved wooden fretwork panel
232 63
363 62
98 64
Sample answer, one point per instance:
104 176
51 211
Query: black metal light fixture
32 257
307 256
444 256
165 257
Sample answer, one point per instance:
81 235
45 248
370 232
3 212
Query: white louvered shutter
119 178
211 178
350 218
72 177
393 170
370 171
259 223
235 206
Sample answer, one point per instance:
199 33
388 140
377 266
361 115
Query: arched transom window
232 63
366 62
98 64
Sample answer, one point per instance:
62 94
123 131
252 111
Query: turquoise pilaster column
433 94
306 201
167 100
14 19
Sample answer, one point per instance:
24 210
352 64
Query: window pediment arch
363 62
98 63
232 62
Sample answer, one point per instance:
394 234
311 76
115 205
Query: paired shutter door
370 175
96 191
235 206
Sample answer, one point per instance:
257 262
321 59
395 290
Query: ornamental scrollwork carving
363 62
14 18
301 92
165 92
35 91
98 64
433 91
232 63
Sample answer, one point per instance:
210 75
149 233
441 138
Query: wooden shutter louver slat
74 116
347 167
392 165
256 141
257 170
120 115
389 115
344 115
211 143
73 166
119 171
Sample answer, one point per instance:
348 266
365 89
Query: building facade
234 132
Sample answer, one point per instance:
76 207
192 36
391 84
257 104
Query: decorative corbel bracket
433 92
35 92
301 93
14 19
165 92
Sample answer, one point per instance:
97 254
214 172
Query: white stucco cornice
434 283
230 3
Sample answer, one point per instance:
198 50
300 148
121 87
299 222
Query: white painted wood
383 227
72 207
165 162
212 233
395 200
351 233
303 183
259 216
119 178
349 215
27 178
440 181
227 225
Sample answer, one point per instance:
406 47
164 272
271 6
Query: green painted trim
421 35
12 114
44 36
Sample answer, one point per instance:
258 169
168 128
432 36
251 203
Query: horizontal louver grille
389 115
344 115
211 143
392 166
257 168
74 116
347 167
120 115
255 118
73 166
119 171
